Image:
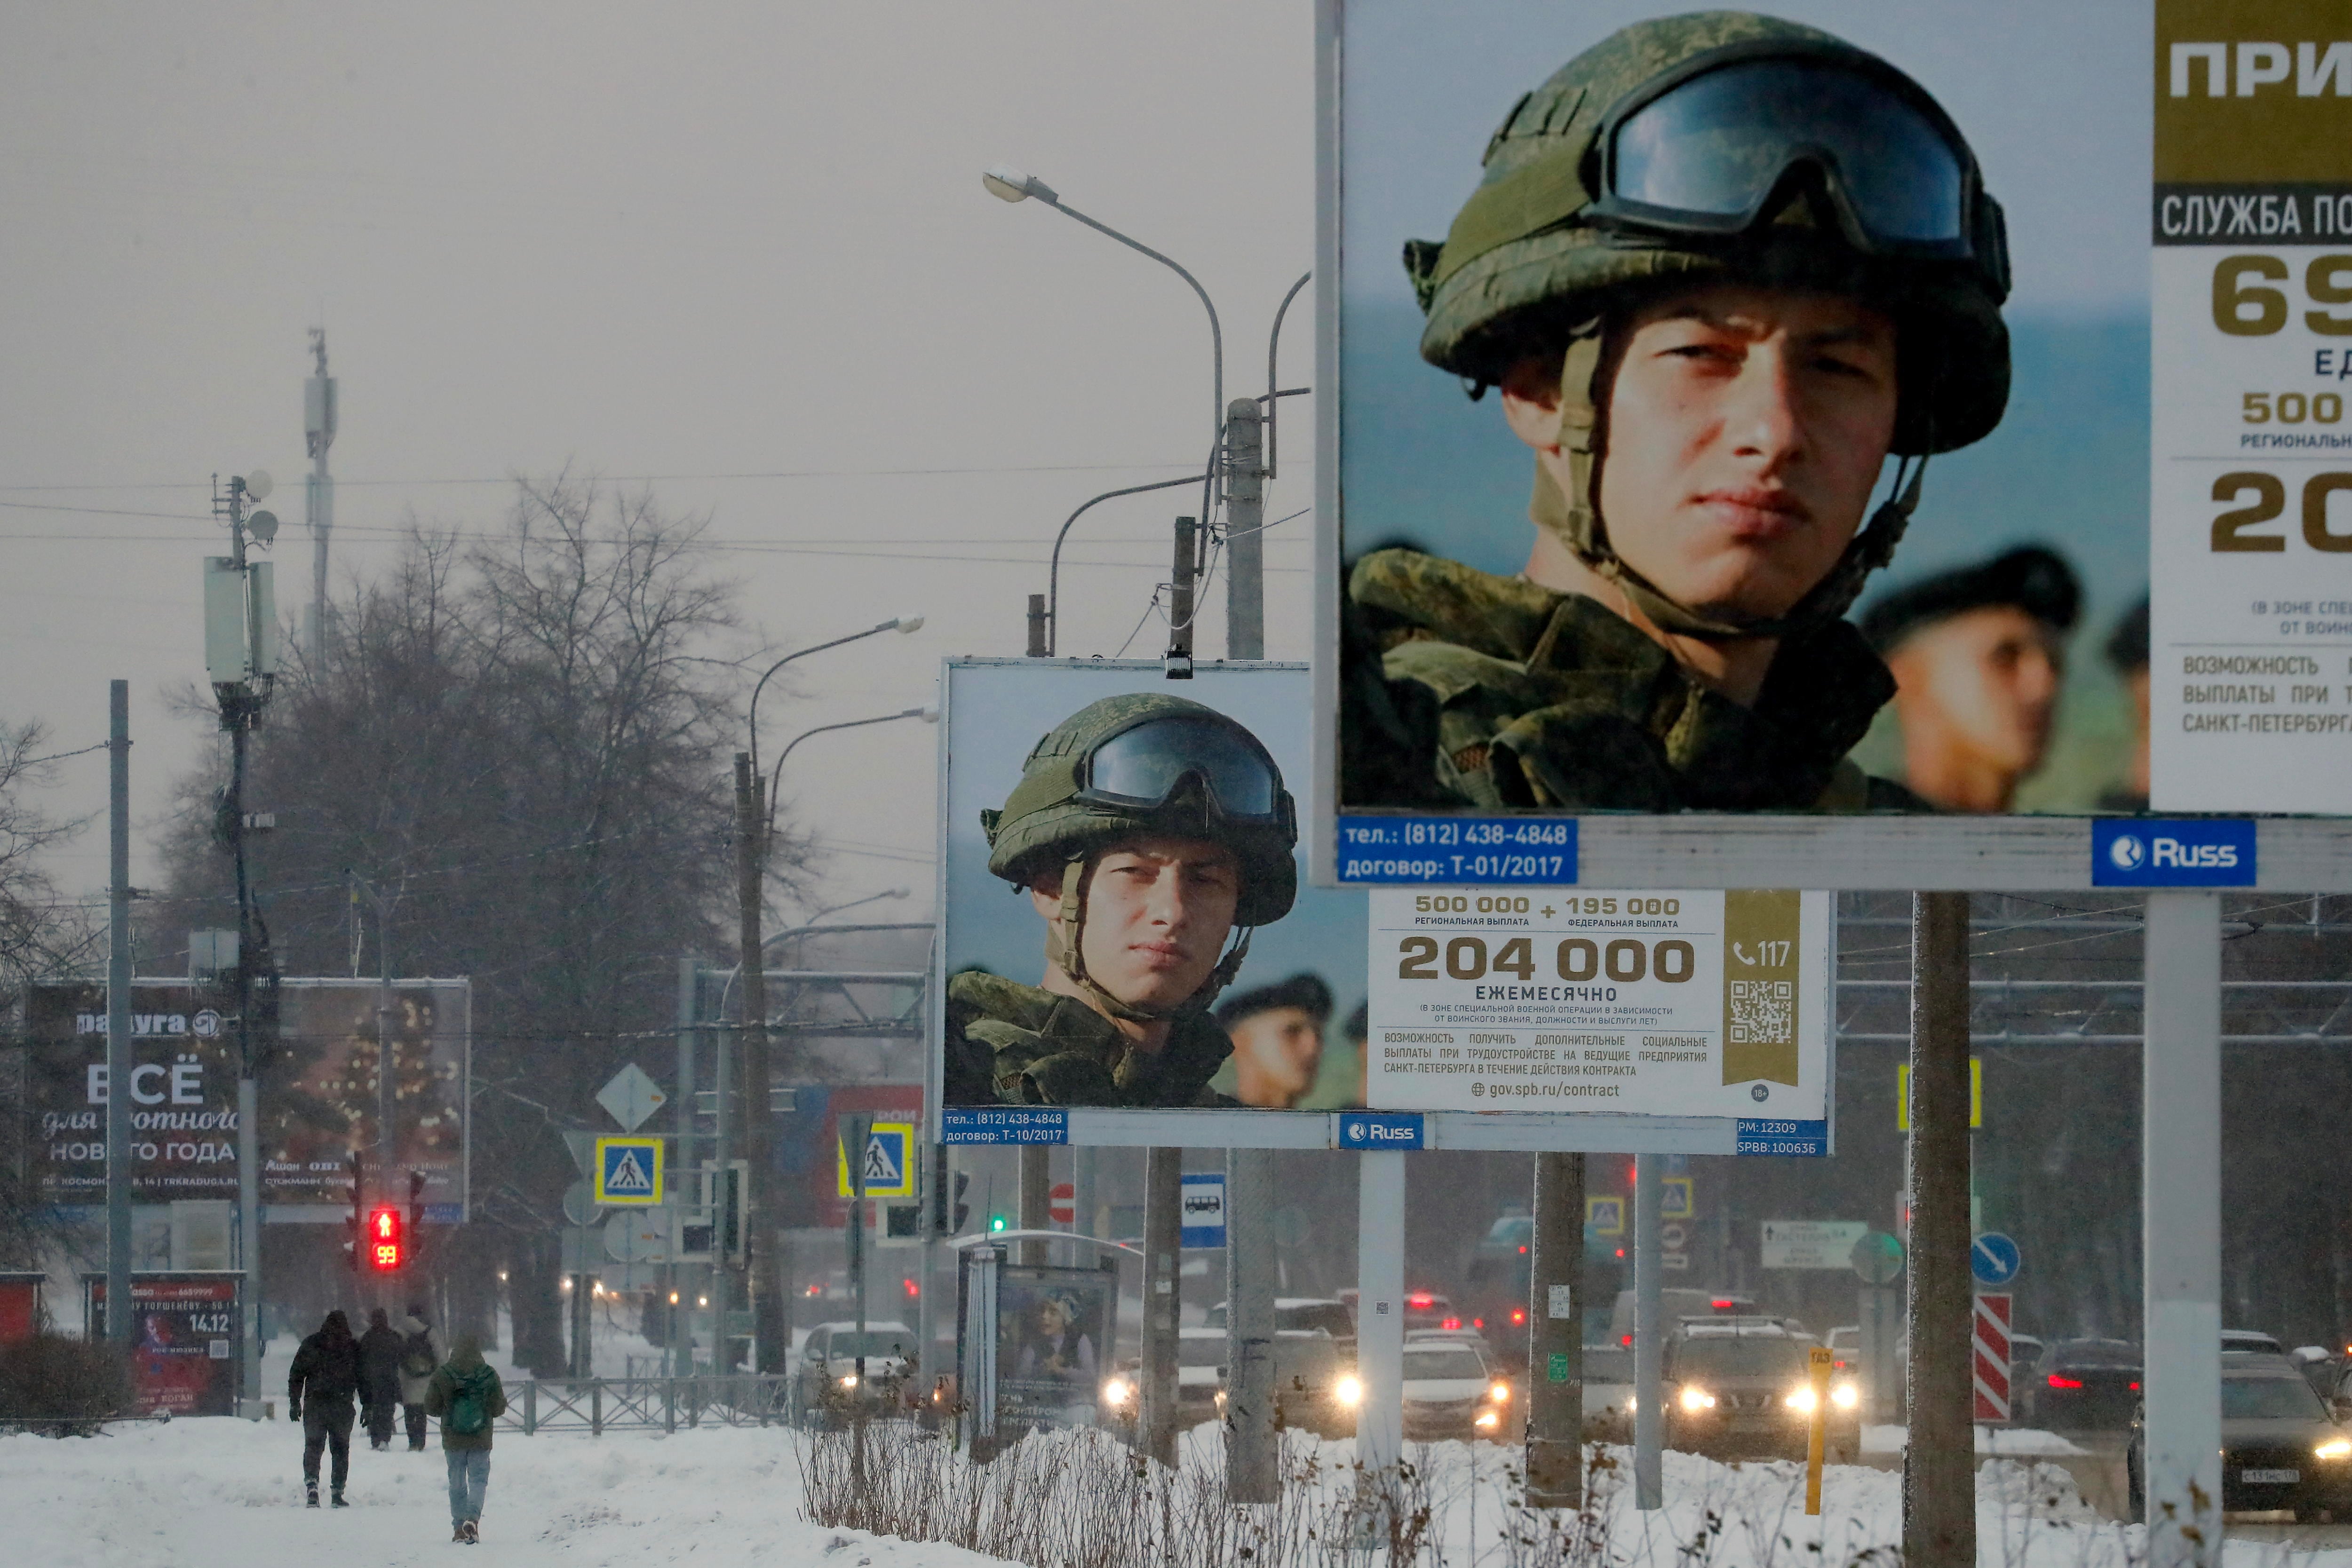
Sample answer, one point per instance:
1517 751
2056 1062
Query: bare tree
524 737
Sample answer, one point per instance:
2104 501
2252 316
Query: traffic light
387 1240
995 1223
416 1202
356 1223
962 1215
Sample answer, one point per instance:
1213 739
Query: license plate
2270 1477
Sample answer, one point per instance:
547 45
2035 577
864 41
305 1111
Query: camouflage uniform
1018 1044
1463 689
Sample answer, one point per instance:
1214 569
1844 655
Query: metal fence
599 1404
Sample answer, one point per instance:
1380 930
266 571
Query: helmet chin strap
1577 523
1064 948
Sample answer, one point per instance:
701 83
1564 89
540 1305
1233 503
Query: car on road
1675 1305
2282 1450
1303 1313
1315 1386
2079 1385
826 1387
1742 1388
1452 1391
2250 1341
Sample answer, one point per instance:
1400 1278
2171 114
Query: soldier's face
1158 910
1745 429
1276 1054
1980 686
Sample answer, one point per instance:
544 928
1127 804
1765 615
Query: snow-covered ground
228 1493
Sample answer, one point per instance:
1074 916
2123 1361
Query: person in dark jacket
418 1360
320 1391
380 1349
468 1398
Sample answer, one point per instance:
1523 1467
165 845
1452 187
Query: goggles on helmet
1703 149
1143 767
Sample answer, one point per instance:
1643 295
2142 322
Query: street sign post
1203 1224
631 1097
1994 1259
1061 1203
1811 1243
629 1171
890 1160
1877 1257
1990 1356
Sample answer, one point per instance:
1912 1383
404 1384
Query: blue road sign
1204 1198
629 1171
1994 1259
1381 1130
2189 852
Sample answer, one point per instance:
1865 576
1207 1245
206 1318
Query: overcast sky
741 252
693 243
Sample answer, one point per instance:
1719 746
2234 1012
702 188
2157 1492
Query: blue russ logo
2177 853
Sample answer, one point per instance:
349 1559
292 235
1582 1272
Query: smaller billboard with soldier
1117 848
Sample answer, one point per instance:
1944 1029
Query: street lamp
903 623
1008 184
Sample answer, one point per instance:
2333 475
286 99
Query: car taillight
1519 1314
1452 1323
2057 1381
1722 1306
2135 1388
1625 1339
1419 1301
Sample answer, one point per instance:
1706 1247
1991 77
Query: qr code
1763 1012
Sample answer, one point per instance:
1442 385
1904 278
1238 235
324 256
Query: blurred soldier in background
1978 655
1720 268
1278 1035
1146 829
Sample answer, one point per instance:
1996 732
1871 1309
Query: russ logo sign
2185 852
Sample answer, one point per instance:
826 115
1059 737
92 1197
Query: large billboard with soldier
1126 925
1740 415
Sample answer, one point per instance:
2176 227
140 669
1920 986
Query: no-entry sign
1061 1203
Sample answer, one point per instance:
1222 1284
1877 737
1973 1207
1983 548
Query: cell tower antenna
318 499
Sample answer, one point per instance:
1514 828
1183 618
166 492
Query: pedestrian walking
319 1389
467 1396
382 1349
418 1360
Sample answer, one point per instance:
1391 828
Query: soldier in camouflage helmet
1146 829
1720 268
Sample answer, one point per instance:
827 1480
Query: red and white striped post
1991 1357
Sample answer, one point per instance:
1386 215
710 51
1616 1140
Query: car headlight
2334 1448
1845 1395
1498 1392
1696 1398
849 1380
1487 1422
1114 1390
1803 1399
1350 1391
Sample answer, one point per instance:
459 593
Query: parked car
1423 1309
1304 1312
1609 1387
1451 1391
826 1386
1315 1388
2079 1385
1743 1388
2250 1341
2281 1450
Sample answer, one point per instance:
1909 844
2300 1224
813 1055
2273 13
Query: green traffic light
995 1223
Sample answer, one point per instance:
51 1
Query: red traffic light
387 1238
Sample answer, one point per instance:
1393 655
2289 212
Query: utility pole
1163 1176
1245 529
1186 569
1035 1209
241 663
1555 1338
1649 1331
319 496
1252 1444
771 1337
1939 1515
681 1280
118 1015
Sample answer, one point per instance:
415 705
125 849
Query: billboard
317 1094
1125 930
1799 501
184 1340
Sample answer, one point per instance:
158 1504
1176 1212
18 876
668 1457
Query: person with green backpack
468 1398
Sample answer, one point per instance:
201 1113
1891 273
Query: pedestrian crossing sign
890 1170
629 1171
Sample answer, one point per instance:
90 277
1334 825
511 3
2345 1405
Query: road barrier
598 1405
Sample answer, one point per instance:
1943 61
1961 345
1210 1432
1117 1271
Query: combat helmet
1147 763
1728 145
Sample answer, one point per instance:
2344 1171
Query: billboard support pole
1379 1339
1555 1459
1250 1438
2180 1141
1163 1206
1036 1206
1939 1462
1649 1333
117 1012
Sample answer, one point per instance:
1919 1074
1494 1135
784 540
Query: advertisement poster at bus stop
184 1339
